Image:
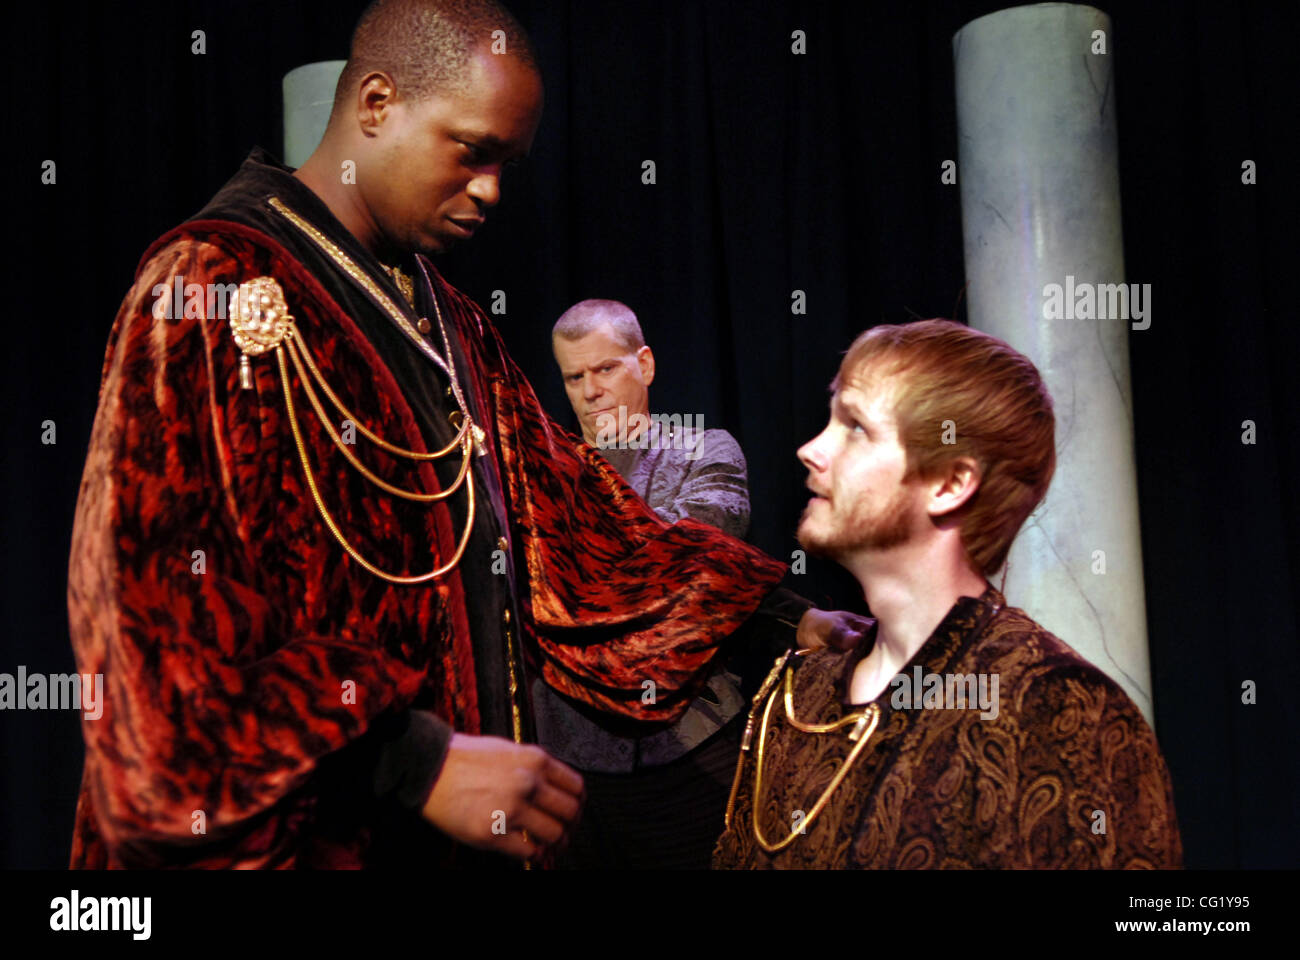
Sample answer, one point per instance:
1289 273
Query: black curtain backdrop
775 173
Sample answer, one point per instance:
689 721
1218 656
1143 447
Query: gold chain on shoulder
260 322
329 520
293 351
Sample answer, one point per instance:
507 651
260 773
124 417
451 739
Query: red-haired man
959 733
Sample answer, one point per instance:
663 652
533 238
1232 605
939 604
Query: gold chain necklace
864 725
260 322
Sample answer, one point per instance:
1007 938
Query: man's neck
909 590
320 174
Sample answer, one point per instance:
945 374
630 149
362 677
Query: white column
1039 175
308 99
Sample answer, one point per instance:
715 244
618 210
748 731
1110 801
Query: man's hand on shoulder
837 629
491 791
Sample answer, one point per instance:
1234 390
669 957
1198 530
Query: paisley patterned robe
255 673
1067 774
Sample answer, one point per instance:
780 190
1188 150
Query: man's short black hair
425 46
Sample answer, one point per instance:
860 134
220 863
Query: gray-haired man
655 798
679 468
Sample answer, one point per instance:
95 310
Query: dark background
775 172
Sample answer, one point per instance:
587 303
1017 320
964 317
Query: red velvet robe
228 672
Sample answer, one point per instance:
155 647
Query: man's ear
375 101
645 358
952 489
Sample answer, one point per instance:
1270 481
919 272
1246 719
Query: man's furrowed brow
575 371
490 141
